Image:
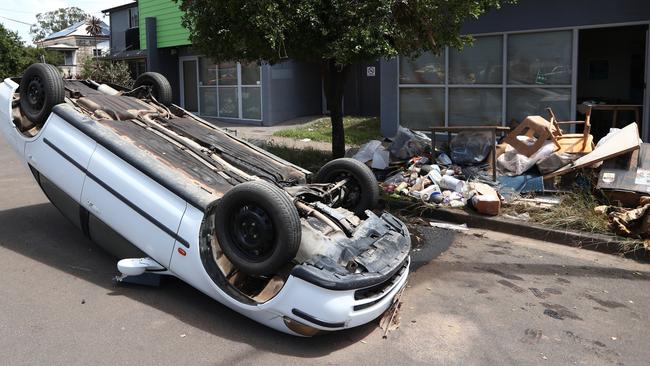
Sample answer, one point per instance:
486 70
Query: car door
59 155
134 205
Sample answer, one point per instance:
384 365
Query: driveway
473 298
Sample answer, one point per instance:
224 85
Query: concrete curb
598 242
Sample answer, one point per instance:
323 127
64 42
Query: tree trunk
335 77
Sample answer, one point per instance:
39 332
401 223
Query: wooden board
624 141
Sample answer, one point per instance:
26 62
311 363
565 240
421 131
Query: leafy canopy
54 21
343 31
15 57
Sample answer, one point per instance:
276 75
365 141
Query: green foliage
15 57
11 49
358 130
55 20
342 31
105 71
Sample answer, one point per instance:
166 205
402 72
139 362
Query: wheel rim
252 232
36 93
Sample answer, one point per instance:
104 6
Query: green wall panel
170 32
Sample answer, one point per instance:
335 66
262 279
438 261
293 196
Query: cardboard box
627 177
485 199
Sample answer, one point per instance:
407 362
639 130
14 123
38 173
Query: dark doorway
611 71
190 86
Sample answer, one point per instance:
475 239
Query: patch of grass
574 212
358 130
307 158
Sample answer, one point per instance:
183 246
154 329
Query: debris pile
534 161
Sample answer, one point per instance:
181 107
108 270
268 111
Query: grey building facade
526 57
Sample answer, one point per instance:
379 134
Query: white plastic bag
407 143
516 163
367 151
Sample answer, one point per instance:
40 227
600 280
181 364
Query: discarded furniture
535 127
615 108
573 142
619 143
455 129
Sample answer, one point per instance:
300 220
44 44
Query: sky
25 11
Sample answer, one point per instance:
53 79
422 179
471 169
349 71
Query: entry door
190 83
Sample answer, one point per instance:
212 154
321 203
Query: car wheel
258 227
41 88
362 190
160 87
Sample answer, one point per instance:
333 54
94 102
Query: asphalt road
476 298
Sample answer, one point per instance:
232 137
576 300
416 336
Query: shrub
105 71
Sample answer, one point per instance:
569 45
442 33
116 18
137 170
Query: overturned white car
168 193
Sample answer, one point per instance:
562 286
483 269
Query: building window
421 108
425 69
474 106
540 58
480 63
137 67
496 80
230 90
68 58
97 52
134 17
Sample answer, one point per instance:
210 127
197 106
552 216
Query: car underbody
339 249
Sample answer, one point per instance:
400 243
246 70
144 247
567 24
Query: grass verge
575 212
358 130
308 158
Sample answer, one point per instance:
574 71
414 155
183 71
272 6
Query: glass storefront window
524 102
474 106
540 58
477 64
207 72
251 103
538 74
421 108
224 87
227 73
208 102
250 74
425 69
228 102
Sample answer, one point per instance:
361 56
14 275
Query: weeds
358 130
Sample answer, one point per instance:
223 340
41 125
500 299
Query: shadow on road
41 233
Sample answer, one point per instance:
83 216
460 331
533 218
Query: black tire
41 88
363 188
258 227
160 87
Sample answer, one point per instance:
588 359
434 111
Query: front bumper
381 245
330 310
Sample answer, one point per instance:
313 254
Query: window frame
238 86
135 24
504 86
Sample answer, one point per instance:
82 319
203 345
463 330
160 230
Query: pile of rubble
437 181
526 163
